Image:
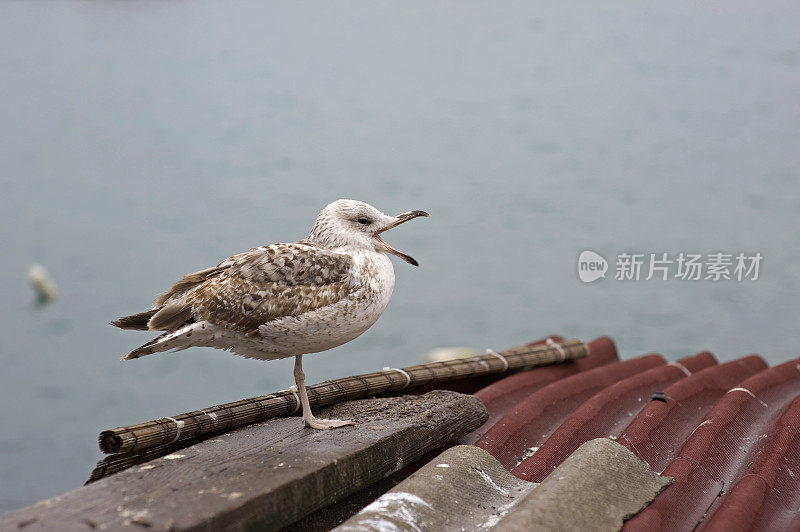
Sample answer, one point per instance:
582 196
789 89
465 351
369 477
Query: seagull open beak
399 219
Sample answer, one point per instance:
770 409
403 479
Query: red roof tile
767 493
506 393
658 432
737 434
532 421
606 414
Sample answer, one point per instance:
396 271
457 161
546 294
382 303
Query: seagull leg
308 417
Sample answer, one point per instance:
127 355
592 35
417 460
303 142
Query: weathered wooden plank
266 475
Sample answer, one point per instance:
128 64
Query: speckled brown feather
256 287
189 281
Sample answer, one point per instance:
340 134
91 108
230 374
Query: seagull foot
323 424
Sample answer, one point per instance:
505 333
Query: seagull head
358 225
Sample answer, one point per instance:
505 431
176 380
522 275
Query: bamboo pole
142 442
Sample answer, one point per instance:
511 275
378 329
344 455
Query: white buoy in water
44 285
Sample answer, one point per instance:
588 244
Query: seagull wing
256 287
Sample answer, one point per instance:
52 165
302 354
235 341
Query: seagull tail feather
174 340
146 349
136 322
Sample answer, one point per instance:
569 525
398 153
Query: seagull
284 300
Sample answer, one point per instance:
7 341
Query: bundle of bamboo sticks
145 441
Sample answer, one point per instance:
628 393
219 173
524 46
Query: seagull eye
364 221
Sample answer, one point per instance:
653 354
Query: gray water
143 140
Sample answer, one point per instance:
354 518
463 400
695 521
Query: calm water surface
142 140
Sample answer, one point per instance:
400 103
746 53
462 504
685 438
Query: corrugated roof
465 488
596 488
535 418
661 428
734 440
607 414
767 493
505 394
729 434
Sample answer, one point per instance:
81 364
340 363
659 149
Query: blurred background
143 140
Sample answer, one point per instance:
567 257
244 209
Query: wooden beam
266 475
